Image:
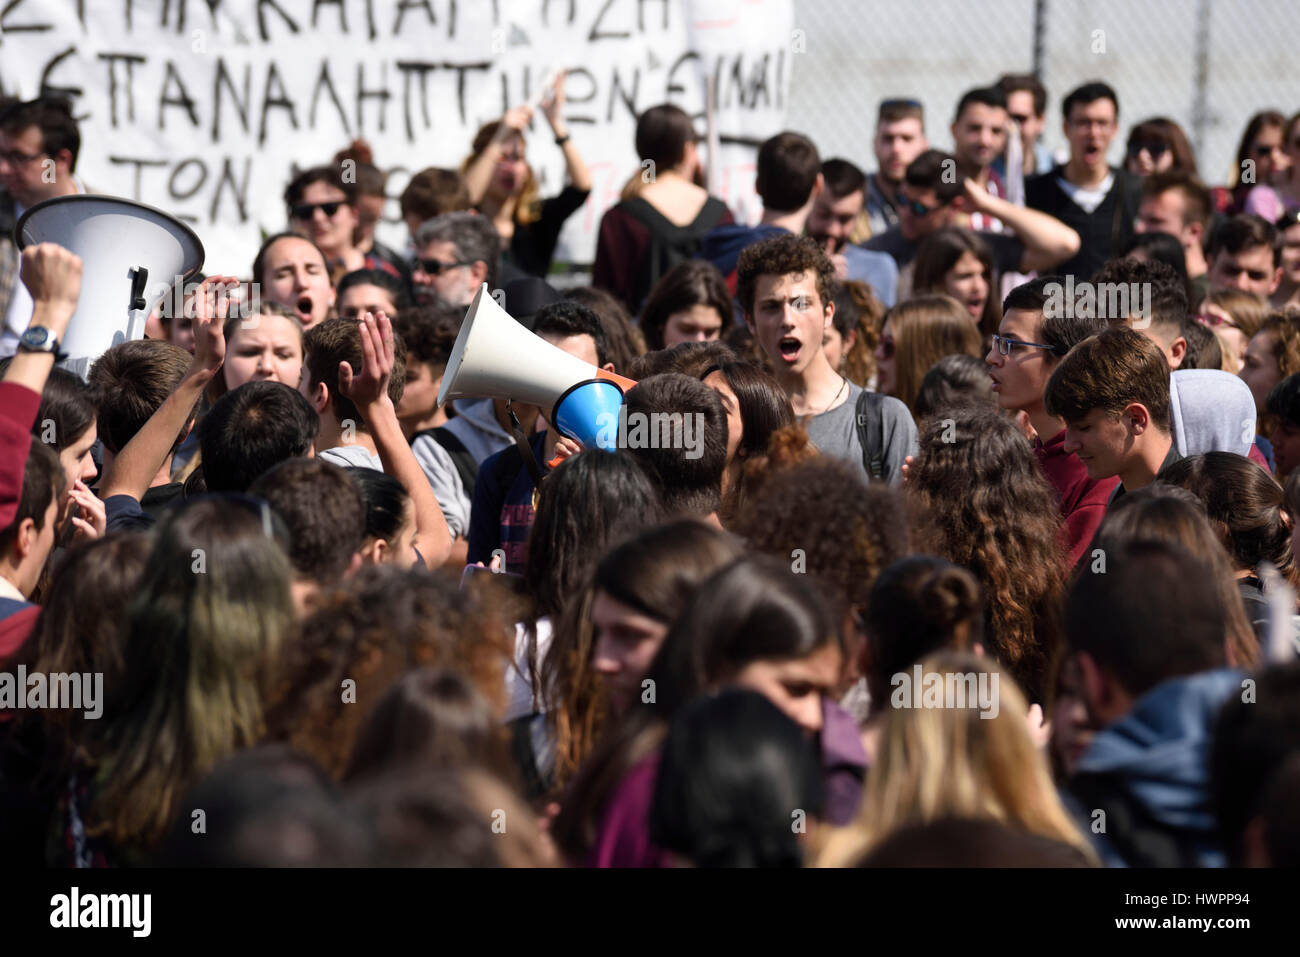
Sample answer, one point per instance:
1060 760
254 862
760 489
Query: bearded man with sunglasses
456 253
1026 350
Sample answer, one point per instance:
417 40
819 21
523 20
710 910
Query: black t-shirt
1008 250
533 245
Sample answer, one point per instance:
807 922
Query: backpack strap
461 457
871 434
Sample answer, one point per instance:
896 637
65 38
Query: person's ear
829 310
1197 232
749 324
1139 417
818 186
372 553
478 272
319 396
354 566
609 367
850 340
1277 278
1097 688
25 540
1177 352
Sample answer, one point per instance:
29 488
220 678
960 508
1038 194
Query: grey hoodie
479 431
1211 411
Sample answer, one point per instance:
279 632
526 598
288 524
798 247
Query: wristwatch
40 339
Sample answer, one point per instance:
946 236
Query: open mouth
304 308
789 348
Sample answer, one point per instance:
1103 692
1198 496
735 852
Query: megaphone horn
495 357
121 244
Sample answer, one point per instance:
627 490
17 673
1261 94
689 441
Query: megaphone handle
139 276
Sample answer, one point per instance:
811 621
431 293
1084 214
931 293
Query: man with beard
834 212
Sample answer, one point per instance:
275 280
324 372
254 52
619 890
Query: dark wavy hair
940 251
764 405
68 404
690 283
655 572
984 504
1244 504
845 529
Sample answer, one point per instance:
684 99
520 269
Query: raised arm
1048 241
478 175
553 108
136 465
52 275
368 390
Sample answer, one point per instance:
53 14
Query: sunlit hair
1168 513
1284 324
654 572
202 637
80 631
860 313
1246 309
926 329
939 762
528 206
373 628
983 503
936 256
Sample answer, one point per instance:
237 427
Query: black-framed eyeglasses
434 267
305 211
1004 345
17 158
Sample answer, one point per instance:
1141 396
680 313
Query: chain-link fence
1206 64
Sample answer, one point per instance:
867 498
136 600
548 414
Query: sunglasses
435 267
1005 344
918 208
1154 150
308 210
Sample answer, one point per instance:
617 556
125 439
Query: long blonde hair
925 329
937 762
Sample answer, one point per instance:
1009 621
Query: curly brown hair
864 319
983 503
781 256
824 513
380 624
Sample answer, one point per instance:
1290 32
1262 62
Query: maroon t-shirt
1082 500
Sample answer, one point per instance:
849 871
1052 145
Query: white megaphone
495 357
122 245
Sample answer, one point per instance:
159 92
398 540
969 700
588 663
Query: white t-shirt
1087 199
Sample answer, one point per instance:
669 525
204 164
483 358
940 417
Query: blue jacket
1149 771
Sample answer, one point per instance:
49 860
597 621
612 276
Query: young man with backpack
785 286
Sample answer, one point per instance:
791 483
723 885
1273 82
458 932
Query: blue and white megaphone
495 357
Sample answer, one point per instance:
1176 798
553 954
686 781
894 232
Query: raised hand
211 308
369 386
52 275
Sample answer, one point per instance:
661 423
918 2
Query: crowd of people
975 562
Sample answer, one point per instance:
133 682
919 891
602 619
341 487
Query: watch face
36 337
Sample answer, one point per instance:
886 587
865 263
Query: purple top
623 839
